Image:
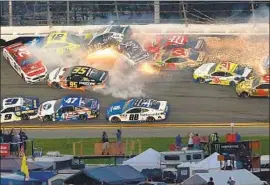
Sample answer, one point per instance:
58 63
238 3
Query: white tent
149 159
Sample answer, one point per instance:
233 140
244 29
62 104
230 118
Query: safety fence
23 13
18 148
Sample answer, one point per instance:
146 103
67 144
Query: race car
133 51
109 36
179 57
256 87
28 66
137 110
69 108
77 78
164 42
19 108
224 73
62 42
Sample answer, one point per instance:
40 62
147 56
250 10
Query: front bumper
36 79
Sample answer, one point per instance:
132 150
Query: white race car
135 110
19 108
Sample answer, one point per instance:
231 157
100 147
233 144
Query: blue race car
69 108
19 108
134 110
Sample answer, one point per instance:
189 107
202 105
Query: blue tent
16 179
43 176
108 175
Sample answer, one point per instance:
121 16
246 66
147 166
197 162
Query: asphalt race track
189 102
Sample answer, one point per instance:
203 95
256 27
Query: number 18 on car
140 110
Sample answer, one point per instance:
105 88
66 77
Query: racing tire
150 119
25 117
82 117
232 84
56 85
244 95
47 118
115 120
200 80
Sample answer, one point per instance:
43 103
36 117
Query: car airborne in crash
19 108
137 110
28 66
77 77
224 73
69 108
256 87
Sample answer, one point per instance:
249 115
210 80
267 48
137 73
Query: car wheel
115 120
56 85
25 117
47 118
232 84
150 119
244 95
82 117
200 80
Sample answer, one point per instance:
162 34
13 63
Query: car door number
133 116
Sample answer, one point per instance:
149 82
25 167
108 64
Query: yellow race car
62 42
256 87
224 73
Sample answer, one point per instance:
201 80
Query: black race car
133 51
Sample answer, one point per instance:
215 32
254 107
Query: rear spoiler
23 40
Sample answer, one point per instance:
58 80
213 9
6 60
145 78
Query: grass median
65 145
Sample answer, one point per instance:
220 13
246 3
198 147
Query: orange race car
77 78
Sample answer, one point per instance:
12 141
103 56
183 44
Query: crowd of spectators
17 140
137 12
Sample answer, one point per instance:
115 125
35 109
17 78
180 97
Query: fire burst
148 68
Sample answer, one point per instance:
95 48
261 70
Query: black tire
47 118
82 117
25 117
115 120
150 119
56 85
200 80
232 84
244 95
23 77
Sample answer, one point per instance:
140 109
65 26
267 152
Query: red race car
173 41
29 67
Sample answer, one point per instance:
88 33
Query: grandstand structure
32 13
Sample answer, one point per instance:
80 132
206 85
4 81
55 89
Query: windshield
27 101
57 105
30 60
256 82
239 70
212 69
75 39
102 30
126 106
67 72
155 104
194 55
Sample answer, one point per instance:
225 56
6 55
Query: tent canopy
13 164
148 159
114 175
15 179
242 177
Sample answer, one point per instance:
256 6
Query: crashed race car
109 36
77 78
133 51
61 42
166 42
28 66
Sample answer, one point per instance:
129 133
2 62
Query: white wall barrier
215 29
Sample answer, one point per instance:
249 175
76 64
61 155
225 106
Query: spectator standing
106 144
1 136
211 181
190 141
231 181
119 141
196 141
178 142
23 138
238 137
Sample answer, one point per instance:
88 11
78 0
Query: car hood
55 75
47 108
34 69
116 108
204 69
